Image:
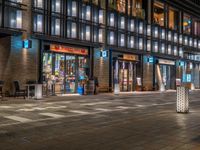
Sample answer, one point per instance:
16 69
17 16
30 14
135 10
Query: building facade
129 45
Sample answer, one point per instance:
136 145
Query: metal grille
182 104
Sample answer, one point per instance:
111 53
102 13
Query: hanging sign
67 49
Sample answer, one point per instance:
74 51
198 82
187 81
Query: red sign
70 50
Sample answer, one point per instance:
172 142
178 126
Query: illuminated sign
130 57
67 49
27 44
150 59
104 53
166 62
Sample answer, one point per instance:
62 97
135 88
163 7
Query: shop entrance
63 73
166 77
124 75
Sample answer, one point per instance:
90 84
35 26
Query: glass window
175 37
141 27
163 48
103 4
122 22
85 32
158 13
131 41
162 34
95 16
112 19
1 17
148 45
39 3
56 6
72 8
101 35
173 19
131 25
197 28
121 5
55 26
111 37
181 52
121 40
155 46
187 23
155 32
13 18
140 44
112 4
191 42
169 35
101 16
38 23
71 30
95 2
175 51
86 12
169 49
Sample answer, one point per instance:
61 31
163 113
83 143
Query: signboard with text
69 50
130 57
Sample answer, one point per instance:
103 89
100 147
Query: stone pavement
103 122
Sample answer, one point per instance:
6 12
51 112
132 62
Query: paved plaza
104 122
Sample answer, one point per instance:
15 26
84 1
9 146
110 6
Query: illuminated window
86 12
111 38
101 35
72 8
71 30
155 46
122 22
38 23
121 40
38 3
169 50
85 32
112 19
131 25
101 16
13 18
121 5
173 19
158 13
187 24
55 26
56 6
140 44
131 42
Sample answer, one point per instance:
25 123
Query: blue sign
104 53
27 44
181 63
150 59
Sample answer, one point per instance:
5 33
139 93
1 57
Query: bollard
182 102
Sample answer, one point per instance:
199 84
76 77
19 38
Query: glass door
70 76
59 73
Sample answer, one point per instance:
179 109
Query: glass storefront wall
125 71
64 73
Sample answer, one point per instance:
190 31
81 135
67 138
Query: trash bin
182 102
80 90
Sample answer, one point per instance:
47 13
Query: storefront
65 68
165 74
125 73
